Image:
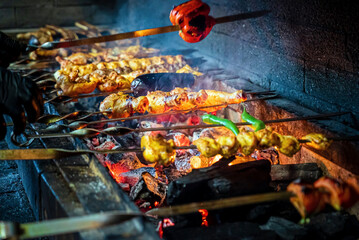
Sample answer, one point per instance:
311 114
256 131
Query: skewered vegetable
194 20
256 123
211 119
312 198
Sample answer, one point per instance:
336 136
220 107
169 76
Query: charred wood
217 182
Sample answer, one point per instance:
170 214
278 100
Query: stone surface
14 203
7 18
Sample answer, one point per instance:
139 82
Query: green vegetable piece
256 123
211 119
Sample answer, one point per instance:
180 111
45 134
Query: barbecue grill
286 82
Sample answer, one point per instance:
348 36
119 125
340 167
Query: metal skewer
11 230
143 33
67 99
57 153
83 124
120 131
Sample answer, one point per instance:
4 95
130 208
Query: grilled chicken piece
318 141
123 105
78 58
267 138
114 75
307 200
289 145
248 142
162 102
220 97
75 87
339 194
208 147
158 150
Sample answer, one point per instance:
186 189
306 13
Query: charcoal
161 81
126 160
262 212
308 172
148 189
132 177
172 174
334 225
238 230
220 182
285 229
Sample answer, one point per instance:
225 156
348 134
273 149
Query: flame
156 204
204 214
166 222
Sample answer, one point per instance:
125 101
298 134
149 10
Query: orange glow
215 159
241 159
204 214
166 222
193 120
115 171
196 162
156 204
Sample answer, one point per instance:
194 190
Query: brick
24 3
340 88
242 56
104 14
74 2
7 18
317 104
61 16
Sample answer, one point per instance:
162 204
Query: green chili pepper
256 123
211 119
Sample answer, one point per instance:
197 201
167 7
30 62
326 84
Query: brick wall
36 13
307 50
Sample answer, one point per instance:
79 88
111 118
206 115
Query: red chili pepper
193 19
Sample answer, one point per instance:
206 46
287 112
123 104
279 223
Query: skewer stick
120 131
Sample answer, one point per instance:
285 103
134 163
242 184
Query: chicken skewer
154 144
80 115
83 132
122 105
111 76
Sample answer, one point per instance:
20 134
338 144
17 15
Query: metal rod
145 32
11 230
219 204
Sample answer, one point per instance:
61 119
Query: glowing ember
193 120
215 159
204 214
116 170
156 204
241 159
166 222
